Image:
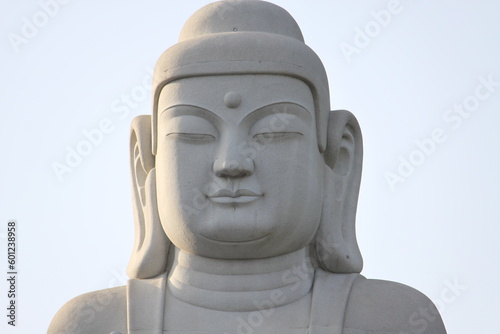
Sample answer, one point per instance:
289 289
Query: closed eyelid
191 136
277 135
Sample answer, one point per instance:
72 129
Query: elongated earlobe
335 243
149 256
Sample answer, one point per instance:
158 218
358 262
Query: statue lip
226 196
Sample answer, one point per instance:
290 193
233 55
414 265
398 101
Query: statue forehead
245 93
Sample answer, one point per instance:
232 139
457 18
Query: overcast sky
424 83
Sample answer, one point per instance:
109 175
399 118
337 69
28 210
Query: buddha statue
245 188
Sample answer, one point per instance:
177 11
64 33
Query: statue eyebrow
192 110
271 109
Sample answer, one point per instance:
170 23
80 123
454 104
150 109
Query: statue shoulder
377 306
100 311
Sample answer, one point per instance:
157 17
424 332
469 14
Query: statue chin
229 237
245 188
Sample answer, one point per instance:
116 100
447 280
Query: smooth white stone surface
245 189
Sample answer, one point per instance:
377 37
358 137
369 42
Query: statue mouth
240 196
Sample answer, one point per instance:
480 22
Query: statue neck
241 285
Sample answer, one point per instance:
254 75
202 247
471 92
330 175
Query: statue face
238 169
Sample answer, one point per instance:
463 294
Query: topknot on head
240 16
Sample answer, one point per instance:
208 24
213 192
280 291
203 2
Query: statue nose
242 167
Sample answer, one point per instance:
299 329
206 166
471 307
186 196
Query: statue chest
151 310
184 318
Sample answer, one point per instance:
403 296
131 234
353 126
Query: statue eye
192 137
190 129
267 137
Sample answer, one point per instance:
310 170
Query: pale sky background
438 228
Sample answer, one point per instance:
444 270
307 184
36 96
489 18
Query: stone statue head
242 157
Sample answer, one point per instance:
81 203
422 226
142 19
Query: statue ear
149 256
335 243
